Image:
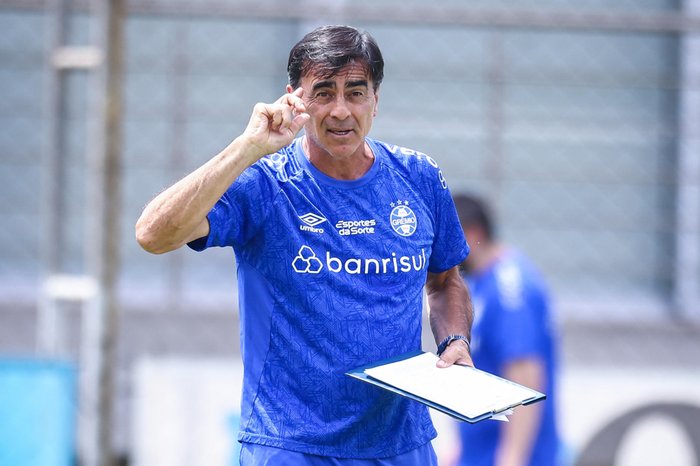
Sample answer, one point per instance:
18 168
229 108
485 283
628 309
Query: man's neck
348 168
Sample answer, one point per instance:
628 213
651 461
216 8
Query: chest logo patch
402 219
312 219
306 261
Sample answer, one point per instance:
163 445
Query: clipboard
451 407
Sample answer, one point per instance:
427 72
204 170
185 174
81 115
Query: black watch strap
449 339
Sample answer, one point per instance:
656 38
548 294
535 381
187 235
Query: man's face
342 108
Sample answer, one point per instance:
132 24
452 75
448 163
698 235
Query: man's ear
289 89
376 103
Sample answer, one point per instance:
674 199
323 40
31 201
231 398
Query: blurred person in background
335 235
513 337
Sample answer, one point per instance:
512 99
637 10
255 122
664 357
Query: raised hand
273 126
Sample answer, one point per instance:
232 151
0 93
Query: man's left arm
450 314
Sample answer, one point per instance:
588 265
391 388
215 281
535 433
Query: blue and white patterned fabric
330 277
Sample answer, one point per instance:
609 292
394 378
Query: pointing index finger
294 99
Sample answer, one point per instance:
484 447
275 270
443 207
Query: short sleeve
240 212
450 248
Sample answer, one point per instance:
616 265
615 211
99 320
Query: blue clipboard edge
359 374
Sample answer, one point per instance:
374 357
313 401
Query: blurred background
578 120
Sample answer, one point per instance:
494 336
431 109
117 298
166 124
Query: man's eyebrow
323 85
331 84
357 83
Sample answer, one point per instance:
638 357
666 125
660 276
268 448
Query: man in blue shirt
335 235
513 337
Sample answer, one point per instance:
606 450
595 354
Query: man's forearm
450 305
450 314
178 214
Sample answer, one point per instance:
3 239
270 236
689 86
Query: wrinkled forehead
355 70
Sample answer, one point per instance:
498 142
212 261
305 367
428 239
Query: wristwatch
449 339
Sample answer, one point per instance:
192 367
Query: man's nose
340 108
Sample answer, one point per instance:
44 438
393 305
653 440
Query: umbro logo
311 219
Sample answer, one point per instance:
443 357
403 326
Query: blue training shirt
330 277
511 321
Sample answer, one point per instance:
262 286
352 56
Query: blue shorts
261 455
